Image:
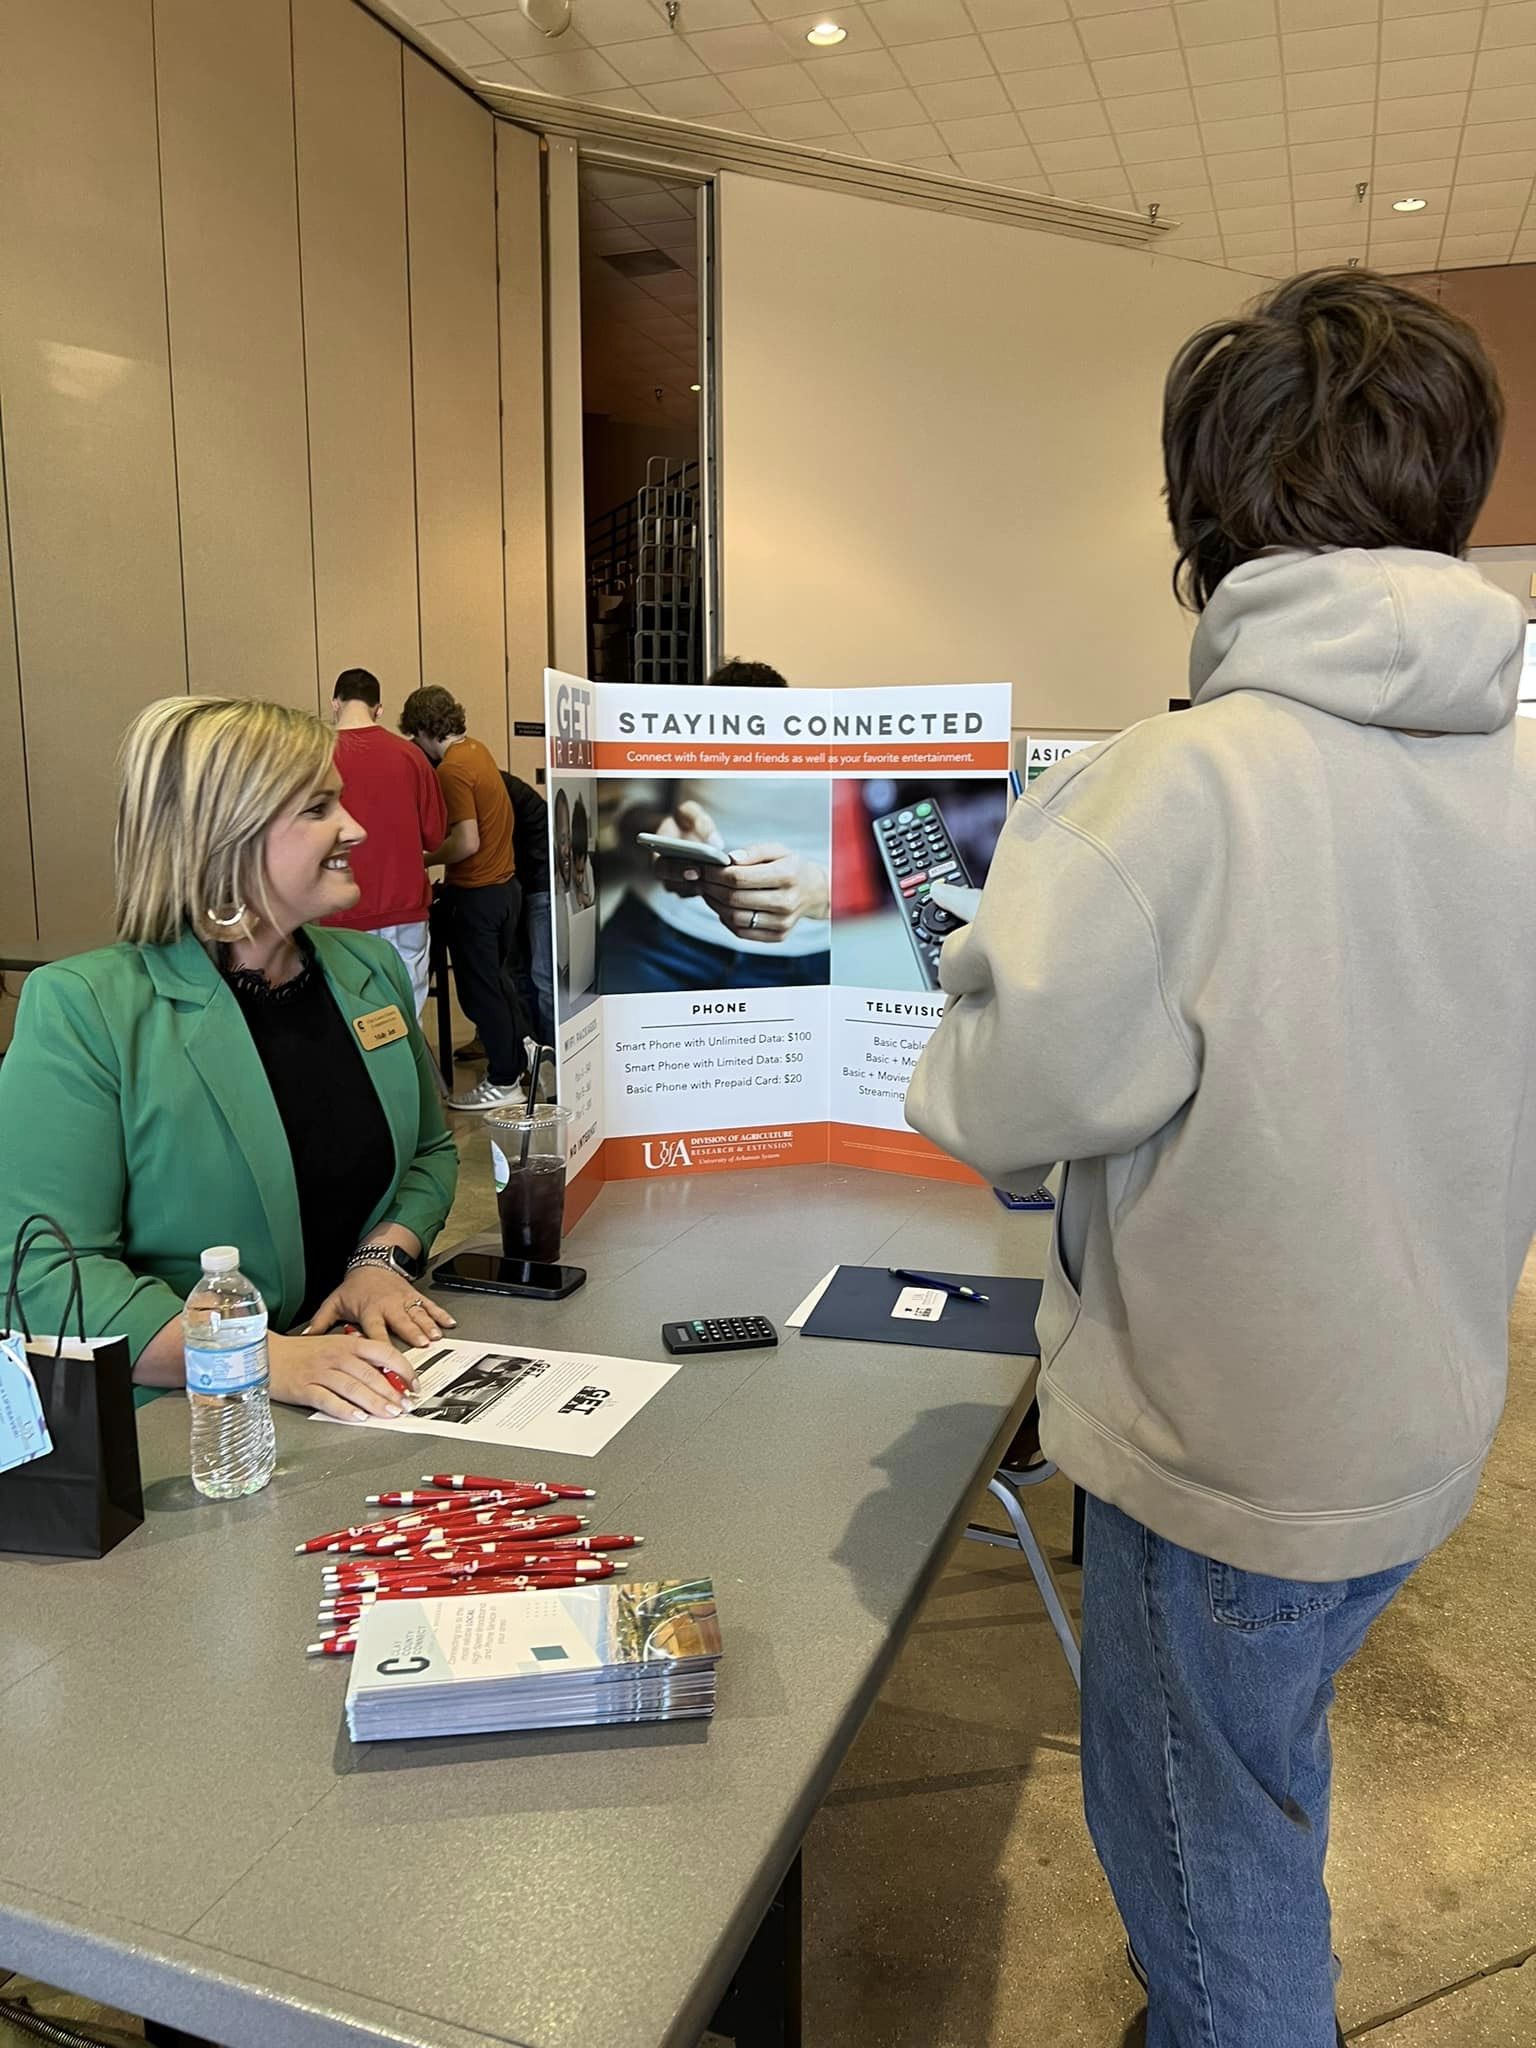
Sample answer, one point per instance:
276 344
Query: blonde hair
200 781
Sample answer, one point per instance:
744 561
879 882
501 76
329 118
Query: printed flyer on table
750 891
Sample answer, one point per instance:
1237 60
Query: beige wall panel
18 909
451 201
941 452
89 446
351 156
237 346
520 282
567 485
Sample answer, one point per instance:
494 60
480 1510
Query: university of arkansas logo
661 1153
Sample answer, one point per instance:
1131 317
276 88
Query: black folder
859 1300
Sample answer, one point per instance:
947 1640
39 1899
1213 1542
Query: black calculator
719 1333
917 851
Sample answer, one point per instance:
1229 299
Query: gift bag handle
31 1232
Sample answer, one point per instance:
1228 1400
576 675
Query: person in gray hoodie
1263 975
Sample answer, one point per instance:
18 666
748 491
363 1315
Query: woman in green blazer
229 1073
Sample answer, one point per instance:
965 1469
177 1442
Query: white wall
940 456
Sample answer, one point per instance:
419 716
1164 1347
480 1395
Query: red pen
346 1606
401 1386
461 1480
454 1509
448 1564
332 1646
439 1496
391 1524
440 1563
386 1542
518 1560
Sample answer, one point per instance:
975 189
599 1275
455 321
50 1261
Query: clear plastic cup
528 1161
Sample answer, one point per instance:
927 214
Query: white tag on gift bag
920 1304
23 1431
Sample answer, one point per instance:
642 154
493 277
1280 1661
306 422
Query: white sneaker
491 1095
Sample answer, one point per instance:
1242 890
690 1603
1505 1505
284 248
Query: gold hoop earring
227 924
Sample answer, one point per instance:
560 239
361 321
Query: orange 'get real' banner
715 1151
894 1152
898 757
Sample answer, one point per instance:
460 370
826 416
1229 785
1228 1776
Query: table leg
444 1004
762 2007
1079 1524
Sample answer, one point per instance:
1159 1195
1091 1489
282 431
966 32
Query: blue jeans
535 972
640 954
1206 1778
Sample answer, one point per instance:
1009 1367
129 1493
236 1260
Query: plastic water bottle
224 1336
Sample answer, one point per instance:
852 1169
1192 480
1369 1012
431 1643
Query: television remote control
719 1333
917 851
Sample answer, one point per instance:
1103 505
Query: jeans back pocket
1253 1600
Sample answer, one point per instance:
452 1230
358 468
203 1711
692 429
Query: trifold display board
746 938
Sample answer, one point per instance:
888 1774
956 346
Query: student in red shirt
393 794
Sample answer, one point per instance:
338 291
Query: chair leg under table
1006 1492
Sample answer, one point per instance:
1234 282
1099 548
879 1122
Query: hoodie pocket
1252 1600
1060 1302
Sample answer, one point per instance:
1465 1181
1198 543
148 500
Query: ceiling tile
1160 71
690 99
1085 9
1186 201
1403 149
1059 86
1490 192
871 71
1146 144
1092 153
1254 131
1243 96
516 37
1104 188
1243 220
1328 49
1034 49
906 144
1479 138
615 21
995 14
955 57
629 97
1429 35
468 45
1151 110
1342 208
1178 173
987 131
1509 163
1412 77
574 71
1187 227
1505 27
1328 124
781 85
1220 63
1000 166
1524 250
1330 253
1331 88
1312 240
737 49
1304 14
1225 21
915 21
1353 154
1500 103
1065 124
1458 249
1506 67
1404 117
659 57
1322 184
1130 35
737 122
1407 256
865 110
862 40
504 73
961 98
1395 9
937 166
1474 220
800 122
615 241
1259 241
1253 192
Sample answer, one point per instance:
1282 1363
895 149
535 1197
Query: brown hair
431 710
1340 411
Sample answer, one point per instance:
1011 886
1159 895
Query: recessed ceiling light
1409 205
825 34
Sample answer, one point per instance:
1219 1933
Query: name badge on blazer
380 1027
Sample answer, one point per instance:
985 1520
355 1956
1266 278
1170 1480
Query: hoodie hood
1386 636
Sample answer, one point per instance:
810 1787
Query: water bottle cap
221 1258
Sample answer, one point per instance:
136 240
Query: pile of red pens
458 1533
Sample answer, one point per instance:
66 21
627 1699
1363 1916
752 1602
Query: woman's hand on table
383 1304
341 1374
766 891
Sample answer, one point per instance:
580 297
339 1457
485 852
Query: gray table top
189 1834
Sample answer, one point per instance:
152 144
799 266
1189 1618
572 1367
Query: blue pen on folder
949 1287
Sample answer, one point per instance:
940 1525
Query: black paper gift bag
86 1494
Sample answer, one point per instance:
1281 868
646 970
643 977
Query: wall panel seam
501 446
21 700
410 357
309 451
170 352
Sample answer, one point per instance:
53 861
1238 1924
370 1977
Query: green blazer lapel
219 1046
359 990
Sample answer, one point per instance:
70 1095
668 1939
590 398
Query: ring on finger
752 922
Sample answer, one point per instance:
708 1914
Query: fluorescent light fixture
825 34
1409 205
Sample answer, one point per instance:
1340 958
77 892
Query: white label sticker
23 1432
920 1304
501 1173
226 1372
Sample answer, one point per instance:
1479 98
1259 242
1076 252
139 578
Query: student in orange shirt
481 896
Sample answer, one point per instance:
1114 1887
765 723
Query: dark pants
481 928
640 954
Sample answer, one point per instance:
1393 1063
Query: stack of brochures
581 1658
